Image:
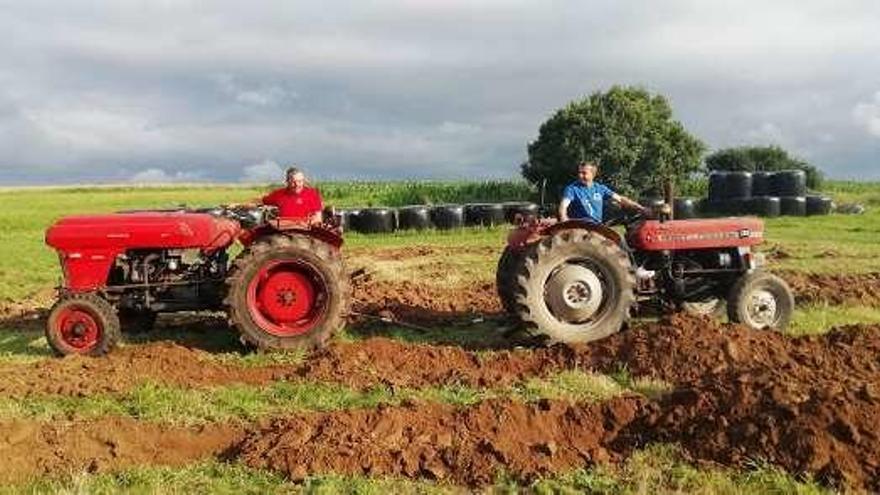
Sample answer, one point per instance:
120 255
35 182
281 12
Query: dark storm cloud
440 88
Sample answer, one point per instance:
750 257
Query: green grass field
29 270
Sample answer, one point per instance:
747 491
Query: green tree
762 158
628 130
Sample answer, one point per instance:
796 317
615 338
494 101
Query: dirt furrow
31 449
834 288
464 445
125 368
800 421
678 350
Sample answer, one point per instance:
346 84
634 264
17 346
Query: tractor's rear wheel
574 286
82 324
505 278
760 300
288 292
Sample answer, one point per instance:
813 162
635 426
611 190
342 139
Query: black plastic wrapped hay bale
414 217
788 183
446 217
761 182
524 210
765 206
684 208
715 208
486 214
738 206
702 207
346 217
819 205
793 206
375 221
717 186
738 185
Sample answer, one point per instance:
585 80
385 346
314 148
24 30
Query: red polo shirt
293 205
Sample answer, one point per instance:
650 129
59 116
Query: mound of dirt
29 449
807 420
834 288
127 367
466 446
682 349
807 404
385 362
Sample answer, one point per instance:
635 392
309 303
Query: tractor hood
734 232
118 232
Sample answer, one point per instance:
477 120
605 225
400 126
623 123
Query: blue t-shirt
586 202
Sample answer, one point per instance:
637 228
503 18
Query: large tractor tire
761 301
574 286
82 324
288 292
505 278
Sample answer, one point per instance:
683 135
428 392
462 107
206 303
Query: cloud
387 89
767 133
265 171
160 176
259 94
867 115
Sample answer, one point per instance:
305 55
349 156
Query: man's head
587 171
296 180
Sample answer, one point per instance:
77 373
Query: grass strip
175 405
655 469
817 319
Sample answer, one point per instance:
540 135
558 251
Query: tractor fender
327 235
528 234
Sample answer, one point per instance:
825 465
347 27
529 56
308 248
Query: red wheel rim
78 328
286 298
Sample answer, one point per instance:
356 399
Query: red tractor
576 281
286 289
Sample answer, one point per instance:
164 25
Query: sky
230 91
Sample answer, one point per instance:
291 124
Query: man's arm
317 216
626 202
563 209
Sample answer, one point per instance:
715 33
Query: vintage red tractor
286 289
577 281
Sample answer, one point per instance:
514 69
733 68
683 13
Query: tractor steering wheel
626 218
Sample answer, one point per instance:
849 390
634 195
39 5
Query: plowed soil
831 288
810 405
467 446
29 449
807 404
127 367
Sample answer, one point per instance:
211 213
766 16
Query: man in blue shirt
583 198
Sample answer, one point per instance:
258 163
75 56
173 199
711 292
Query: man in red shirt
296 201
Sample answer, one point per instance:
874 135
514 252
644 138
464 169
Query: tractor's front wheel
760 300
82 324
288 292
574 286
